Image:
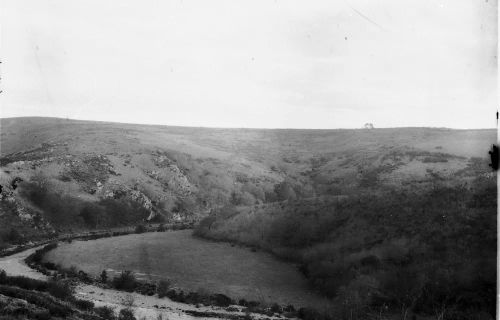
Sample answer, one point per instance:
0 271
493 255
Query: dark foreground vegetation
25 298
70 211
429 252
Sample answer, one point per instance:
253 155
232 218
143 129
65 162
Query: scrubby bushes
64 210
125 281
393 249
55 307
60 289
163 288
13 236
105 312
57 288
140 229
58 208
84 305
126 314
23 282
104 276
122 212
48 300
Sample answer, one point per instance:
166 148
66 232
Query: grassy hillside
84 174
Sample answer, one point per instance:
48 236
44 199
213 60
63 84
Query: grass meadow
194 265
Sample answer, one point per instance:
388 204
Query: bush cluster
52 299
394 249
64 210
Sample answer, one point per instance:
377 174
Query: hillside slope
84 174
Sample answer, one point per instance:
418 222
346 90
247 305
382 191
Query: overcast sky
254 63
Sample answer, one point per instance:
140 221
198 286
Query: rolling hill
181 173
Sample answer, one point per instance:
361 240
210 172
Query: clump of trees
66 211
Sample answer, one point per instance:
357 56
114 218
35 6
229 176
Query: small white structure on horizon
369 126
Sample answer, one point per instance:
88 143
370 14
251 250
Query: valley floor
145 307
193 265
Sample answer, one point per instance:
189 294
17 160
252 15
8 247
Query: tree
13 236
90 215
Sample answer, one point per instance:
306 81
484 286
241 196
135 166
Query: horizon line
244 128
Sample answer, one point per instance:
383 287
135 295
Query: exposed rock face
92 171
139 197
171 176
117 191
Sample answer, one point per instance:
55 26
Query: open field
144 307
192 264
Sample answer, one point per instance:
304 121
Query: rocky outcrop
118 191
170 175
92 171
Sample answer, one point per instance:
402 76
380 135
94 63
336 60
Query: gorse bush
105 312
126 314
163 288
84 304
125 281
60 289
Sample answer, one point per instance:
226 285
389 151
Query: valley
373 221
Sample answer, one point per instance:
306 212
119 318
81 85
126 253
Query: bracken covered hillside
65 175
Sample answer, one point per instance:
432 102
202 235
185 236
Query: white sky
253 63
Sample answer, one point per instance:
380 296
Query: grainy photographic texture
184 159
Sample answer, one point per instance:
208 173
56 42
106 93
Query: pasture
192 264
